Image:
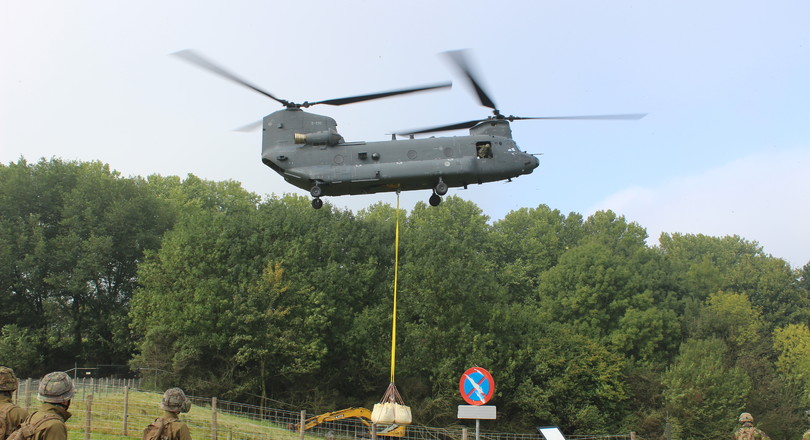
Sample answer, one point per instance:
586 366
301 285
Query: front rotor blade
253 126
458 126
199 61
460 60
361 98
631 117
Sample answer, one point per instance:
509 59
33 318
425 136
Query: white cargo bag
402 414
383 413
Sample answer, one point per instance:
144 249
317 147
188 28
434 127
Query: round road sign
476 386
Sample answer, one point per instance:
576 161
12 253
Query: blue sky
724 149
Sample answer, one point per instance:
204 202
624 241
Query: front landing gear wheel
441 188
317 203
435 199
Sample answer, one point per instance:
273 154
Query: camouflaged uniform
750 433
55 391
54 429
175 429
13 414
173 403
806 435
747 430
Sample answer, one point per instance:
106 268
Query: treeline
582 324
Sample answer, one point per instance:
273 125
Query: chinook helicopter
308 152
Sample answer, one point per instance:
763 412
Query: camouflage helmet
55 387
175 400
8 381
746 417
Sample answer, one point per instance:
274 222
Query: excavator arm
363 414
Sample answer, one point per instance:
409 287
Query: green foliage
703 395
207 286
792 345
527 242
20 349
549 374
72 235
613 288
706 265
732 318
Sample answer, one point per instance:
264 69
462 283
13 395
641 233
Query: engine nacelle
326 137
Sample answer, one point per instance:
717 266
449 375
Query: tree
732 318
183 314
614 289
549 373
703 395
527 242
705 265
792 345
72 235
19 350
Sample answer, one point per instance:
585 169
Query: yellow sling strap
396 270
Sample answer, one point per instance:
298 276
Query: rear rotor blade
470 124
458 126
361 98
628 117
460 59
200 61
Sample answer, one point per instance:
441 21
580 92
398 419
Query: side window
483 150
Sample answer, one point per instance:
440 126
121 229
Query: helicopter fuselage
308 152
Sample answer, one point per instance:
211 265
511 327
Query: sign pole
477 429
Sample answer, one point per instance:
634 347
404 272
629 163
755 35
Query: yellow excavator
364 415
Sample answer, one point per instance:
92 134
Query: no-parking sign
476 386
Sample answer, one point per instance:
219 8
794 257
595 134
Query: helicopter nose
532 163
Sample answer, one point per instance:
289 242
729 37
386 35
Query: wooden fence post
28 395
213 418
126 409
464 433
88 412
301 424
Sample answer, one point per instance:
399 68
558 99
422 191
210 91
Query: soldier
806 435
169 426
48 422
11 415
747 431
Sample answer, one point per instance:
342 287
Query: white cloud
763 197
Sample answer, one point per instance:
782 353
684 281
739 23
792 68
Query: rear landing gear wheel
435 199
316 191
317 203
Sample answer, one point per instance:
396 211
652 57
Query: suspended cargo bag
391 409
383 413
402 415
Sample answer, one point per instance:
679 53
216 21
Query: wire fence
118 409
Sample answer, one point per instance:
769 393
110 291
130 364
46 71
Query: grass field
106 416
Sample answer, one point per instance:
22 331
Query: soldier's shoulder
17 413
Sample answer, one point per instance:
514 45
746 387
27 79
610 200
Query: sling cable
392 409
